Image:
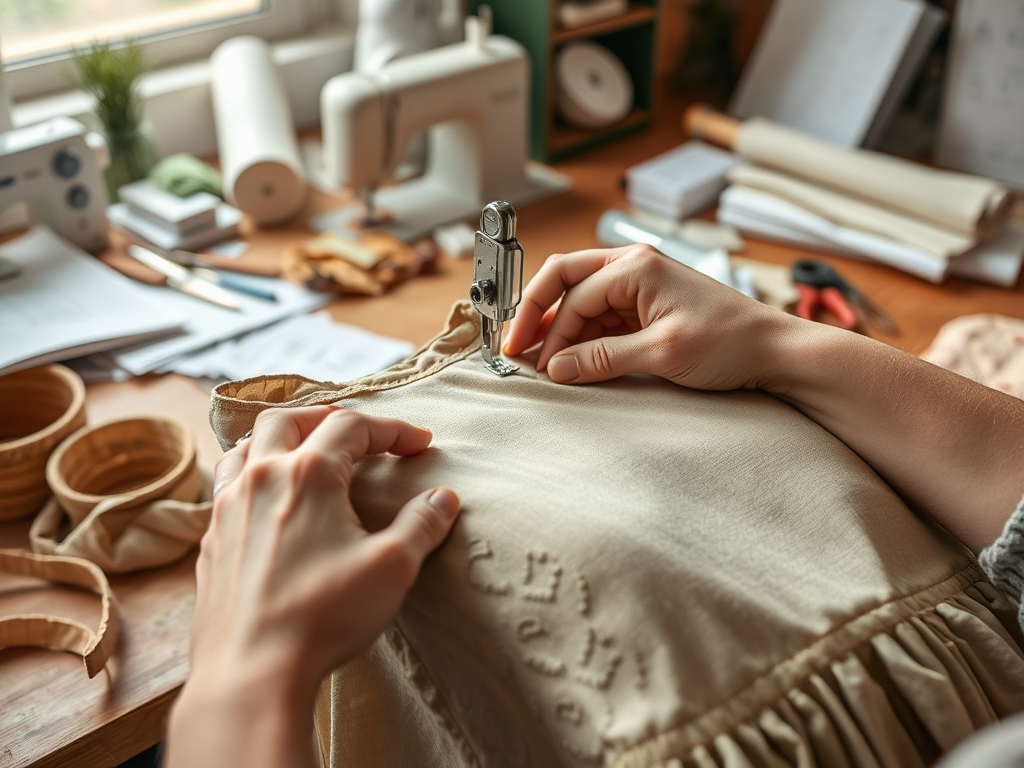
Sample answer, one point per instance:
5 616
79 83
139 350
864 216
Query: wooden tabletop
51 714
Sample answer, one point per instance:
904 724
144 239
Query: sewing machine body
472 98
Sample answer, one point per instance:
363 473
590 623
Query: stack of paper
313 346
65 303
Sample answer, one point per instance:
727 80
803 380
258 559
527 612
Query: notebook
836 69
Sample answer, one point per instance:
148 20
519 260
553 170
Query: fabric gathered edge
778 712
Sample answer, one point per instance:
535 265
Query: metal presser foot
497 281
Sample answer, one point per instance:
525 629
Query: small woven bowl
129 457
39 407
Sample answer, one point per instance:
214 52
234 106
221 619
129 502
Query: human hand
604 313
288 579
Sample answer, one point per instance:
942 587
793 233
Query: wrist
798 356
246 716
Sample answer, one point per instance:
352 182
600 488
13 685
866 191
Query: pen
234 284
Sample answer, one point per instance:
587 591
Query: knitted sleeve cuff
1003 561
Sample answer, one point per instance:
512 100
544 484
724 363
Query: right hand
634 310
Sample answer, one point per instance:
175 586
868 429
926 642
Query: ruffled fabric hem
901 699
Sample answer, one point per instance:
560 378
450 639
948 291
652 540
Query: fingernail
445 500
564 368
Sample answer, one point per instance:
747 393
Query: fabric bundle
921 220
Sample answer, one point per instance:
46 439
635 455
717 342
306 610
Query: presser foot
491 350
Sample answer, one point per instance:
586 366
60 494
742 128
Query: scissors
820 284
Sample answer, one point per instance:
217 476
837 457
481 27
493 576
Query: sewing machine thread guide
497 281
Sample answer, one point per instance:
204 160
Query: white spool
259 154
594 89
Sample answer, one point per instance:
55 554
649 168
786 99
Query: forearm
951 447
245 718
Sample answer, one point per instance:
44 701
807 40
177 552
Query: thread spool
259 154
39 407
141 457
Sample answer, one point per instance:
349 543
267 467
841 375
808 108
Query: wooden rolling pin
702 122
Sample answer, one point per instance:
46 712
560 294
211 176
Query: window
36 35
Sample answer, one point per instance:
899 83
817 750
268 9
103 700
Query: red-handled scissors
820 284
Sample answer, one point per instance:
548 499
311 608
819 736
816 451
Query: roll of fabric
132 493
259 154
967 204
857 213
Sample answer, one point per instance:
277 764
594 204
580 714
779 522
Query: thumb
424 522
603 359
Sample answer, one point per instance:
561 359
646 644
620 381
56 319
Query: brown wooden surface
51 714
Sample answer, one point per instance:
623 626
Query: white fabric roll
594 89
259 154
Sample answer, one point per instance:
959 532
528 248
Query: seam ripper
497 280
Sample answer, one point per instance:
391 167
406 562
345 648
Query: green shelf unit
632 38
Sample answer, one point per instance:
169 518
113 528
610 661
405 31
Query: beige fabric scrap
774 284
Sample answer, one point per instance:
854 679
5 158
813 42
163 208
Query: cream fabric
986 348
644 573
969 204
131 532
847 211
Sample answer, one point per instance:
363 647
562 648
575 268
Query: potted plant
111 74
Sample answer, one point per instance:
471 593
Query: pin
497 280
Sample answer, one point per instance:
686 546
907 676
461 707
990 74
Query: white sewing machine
472 96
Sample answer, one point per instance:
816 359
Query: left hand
287 576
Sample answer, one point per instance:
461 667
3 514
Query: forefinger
354 434
556 276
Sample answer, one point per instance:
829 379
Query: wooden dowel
702 122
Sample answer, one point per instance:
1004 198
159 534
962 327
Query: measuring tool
497 280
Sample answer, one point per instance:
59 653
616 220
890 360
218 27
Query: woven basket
132 457
39 407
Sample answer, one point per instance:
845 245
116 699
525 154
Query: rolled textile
767 215
847 211
969 204
259 154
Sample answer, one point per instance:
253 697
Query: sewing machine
472 99
54 167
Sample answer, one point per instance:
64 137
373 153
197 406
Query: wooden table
51 714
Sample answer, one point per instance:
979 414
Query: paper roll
594 89
259 154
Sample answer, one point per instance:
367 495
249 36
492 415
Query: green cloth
184 175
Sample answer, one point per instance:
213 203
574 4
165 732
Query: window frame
283 19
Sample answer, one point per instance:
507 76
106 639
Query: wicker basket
39 407
132 457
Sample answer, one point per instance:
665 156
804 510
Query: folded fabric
855 213
767 215
997 261
646 575
975 206
986 348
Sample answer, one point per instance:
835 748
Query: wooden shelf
636 15
563 138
